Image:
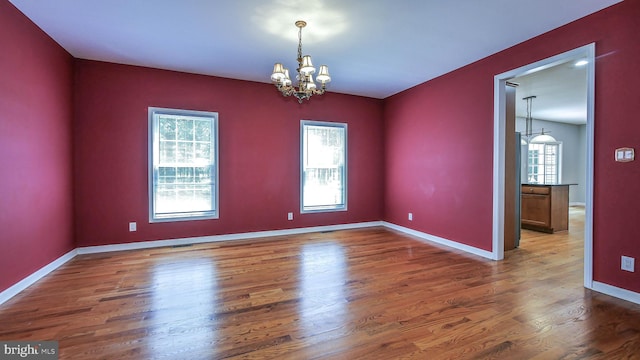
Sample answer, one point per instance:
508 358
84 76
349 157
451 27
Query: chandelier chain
299 46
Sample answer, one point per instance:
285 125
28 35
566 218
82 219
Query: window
183 165
323 166
543 163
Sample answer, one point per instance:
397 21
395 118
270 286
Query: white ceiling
374 48
560 94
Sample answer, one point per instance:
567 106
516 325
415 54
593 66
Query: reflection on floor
359 294
574 234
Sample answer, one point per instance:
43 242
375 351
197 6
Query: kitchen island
545 207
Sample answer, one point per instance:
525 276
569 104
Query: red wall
439 142
36 217
259 134
427 150
439 156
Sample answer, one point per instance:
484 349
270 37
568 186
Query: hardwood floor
357 294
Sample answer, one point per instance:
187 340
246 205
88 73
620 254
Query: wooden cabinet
545 207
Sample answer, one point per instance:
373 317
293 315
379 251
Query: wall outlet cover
627 263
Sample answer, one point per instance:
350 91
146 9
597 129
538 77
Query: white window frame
544 166
322 208
154 150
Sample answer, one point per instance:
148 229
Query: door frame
499 121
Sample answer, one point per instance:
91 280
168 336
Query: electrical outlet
132 226
627 263
290 216
410 216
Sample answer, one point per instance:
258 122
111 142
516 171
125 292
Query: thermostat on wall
625 154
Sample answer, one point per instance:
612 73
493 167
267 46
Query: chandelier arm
288 91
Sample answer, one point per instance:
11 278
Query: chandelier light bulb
287 80
310 84
278 72
307 67
323 74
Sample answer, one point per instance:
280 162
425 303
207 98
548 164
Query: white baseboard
216 238
614 291
441 241
39 274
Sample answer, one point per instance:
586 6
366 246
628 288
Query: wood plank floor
357 294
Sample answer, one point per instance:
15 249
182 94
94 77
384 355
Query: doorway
585 52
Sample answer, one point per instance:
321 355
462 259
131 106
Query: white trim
577 203
614 291
588 213
153 163
499 131
39 274
499 120
217 238
441 241
345 172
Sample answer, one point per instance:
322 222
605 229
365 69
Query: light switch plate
625 154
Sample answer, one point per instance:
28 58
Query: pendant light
527 138
542 138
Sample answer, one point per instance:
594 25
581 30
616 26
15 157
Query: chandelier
306 86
